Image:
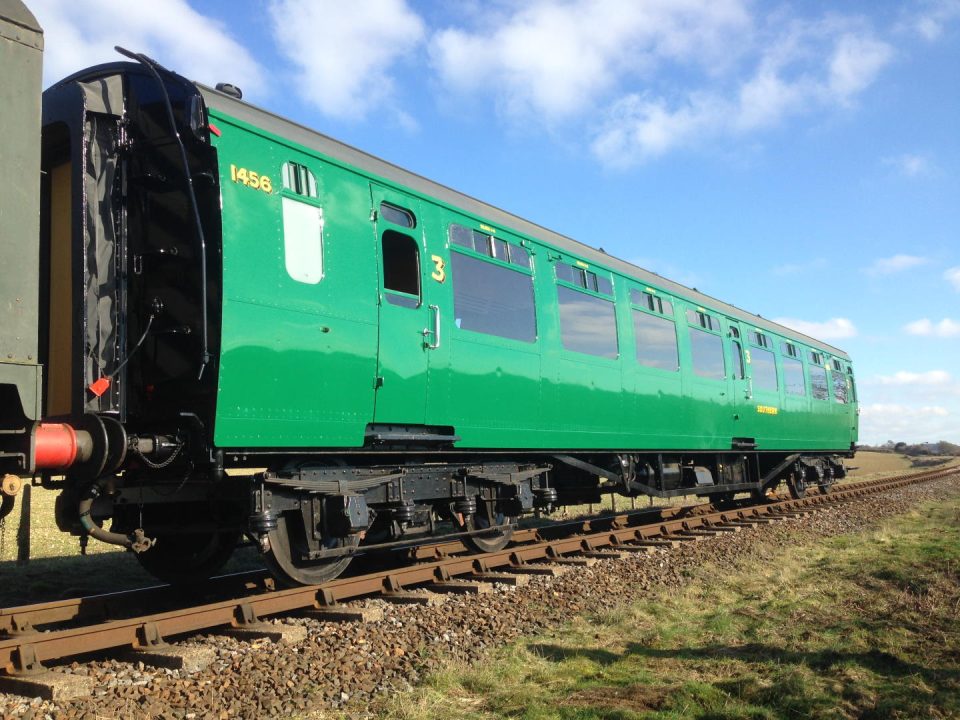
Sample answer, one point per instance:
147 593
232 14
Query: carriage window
401 269
656 341
698 318
764 370
759 339
588 324
789 349
707 351
489 245
650 301
492 299
586 279
519 256
818 382
852 384
816 358
839 386
460 235
302 240
793 377
397 215
300 180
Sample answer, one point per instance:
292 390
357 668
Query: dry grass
774 640
876 465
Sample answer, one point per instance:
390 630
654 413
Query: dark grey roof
321 143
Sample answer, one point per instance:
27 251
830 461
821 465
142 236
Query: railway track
37 634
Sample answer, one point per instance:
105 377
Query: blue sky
799 160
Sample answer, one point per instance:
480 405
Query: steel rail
25 619
21 652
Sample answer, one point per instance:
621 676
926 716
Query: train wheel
285 541
491 541
797 485
188 558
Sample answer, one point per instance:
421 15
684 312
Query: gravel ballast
344 665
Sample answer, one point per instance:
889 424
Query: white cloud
789 78
946 328
952 276
904 377
554 60
910 165
650 77
856 61
910 405
895 264
832 329
908 423
929 23
344 71
79 34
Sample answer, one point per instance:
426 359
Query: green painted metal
287 382
21 54
403 351
298 360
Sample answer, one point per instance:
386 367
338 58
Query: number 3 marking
440 274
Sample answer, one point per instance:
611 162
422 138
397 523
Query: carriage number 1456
251 179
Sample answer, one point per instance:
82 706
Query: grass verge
858 626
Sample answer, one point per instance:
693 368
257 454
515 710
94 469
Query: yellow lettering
253 180
440 273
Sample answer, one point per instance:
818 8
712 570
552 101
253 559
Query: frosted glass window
303 241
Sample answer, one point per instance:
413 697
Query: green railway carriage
249 329
424 307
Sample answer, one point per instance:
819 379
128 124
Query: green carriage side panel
298 354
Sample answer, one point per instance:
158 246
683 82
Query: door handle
749 391
435 332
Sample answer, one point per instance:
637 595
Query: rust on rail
23 647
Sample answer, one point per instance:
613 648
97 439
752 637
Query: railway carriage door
741 384
409 324
709 381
